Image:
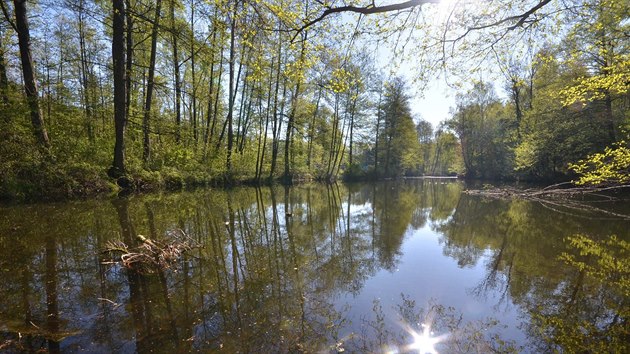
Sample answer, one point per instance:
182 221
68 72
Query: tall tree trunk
247 121
28 71
59 85
232 91
516 97
244 99
352 113
209 111
129 57
610 118
178 80
84 75
215 110
231 102
276 133
377 133
343 141
311 134
146 142
335 130
275 129
118 58
260 132
291 121
193 98
263 136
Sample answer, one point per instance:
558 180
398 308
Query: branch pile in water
150 254
562 195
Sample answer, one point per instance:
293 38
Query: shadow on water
279 268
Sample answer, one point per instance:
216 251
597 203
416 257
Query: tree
120 96
484 130
598 40
176 75
447 154
21 26
146 151
398 137
424 130
612 167
555 135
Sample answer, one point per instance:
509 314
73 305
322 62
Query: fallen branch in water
558 196
150 254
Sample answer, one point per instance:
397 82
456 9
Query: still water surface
402 266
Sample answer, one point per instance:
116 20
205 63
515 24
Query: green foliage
486 132
574 288
612 81
399 145
447 156
608 261
606 266
610 167
598 37
567 100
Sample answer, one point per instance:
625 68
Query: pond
396 266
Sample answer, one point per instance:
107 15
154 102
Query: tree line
567 102
183 92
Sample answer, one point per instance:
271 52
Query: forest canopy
97 95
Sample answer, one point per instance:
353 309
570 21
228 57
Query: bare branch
367 10
522 18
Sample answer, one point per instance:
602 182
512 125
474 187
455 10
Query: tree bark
128 17
118 58
28 71
209 111
146 120
84 68
277 123
311 128
291 121
178 80
516 97
377 131
232 93
193 98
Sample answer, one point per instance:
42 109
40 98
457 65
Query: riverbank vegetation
98 96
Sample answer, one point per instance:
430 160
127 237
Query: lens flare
424 342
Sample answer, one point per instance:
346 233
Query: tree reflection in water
568 305
434 329
277 264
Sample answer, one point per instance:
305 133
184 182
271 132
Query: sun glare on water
423 342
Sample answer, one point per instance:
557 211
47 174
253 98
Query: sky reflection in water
358 268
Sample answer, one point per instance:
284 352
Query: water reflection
280 267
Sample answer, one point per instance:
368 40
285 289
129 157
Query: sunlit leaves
340 81
610 167
603 267
613 80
